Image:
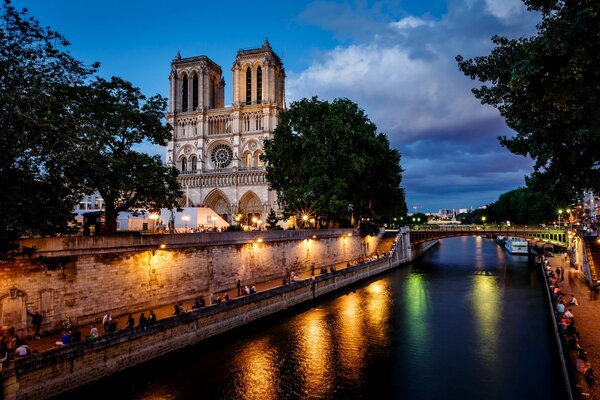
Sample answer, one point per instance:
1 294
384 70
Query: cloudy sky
395 59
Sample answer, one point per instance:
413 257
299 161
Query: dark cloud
403 73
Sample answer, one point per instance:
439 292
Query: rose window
221 156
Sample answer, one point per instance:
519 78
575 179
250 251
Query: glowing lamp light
305 218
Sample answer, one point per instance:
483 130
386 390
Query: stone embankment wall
84 277
56 371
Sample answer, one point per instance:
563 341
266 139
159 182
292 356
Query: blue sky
395 59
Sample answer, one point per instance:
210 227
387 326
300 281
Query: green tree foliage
522 206
328 158
55 129
272 220
37 80
547 87
115 117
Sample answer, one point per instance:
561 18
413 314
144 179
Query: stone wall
83 277
63 369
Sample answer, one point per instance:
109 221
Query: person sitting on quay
151 317
197 304
253 289
142 321
226 297
130 324
560 309
246 290
65 339
11 341
572 300
217 300
569 314
22 351
181 309
585 367
112 326
93 333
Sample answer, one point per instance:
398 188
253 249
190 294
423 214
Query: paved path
48 341
587 316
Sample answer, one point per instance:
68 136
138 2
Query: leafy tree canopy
328 158
37 79
53 137
115 117
547 87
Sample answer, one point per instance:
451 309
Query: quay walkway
587 318
48 341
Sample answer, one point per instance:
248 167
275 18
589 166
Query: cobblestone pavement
587 316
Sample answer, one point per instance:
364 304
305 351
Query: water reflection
254 372
416 299
430 330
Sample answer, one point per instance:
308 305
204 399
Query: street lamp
185 219
560 211
483 220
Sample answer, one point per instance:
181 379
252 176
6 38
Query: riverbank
60 369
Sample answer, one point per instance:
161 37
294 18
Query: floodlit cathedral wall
216 148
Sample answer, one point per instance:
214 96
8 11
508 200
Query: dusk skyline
395 60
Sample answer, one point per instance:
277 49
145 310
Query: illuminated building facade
216 148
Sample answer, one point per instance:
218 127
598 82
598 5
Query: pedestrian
143 321
93 333
36 320
562 274
151 317
239 287
106 321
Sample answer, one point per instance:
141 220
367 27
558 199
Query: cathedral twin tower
216 148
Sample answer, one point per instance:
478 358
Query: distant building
217 149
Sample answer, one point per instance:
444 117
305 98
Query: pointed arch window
194 163
259 85
195 92
183 164
184 93
248 86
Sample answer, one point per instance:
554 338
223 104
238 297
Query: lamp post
185 219
483 220
560 211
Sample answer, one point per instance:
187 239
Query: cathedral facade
216 148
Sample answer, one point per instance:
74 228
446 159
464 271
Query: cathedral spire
266 44
178 56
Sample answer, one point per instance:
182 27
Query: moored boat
516 245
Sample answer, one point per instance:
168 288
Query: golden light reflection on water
416 298
378 311
257 380
351 335
315 352
487 309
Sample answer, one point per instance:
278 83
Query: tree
547 87
328 158
114 117
37 81
272 220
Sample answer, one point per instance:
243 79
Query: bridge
425 233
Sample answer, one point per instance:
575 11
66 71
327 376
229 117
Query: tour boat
516 245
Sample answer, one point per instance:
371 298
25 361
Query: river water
466 321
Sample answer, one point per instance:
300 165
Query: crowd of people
11 346
564 303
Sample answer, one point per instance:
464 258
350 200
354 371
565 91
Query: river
466 321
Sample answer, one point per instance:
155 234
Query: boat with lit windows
516 245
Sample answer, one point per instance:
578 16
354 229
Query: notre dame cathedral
216 148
